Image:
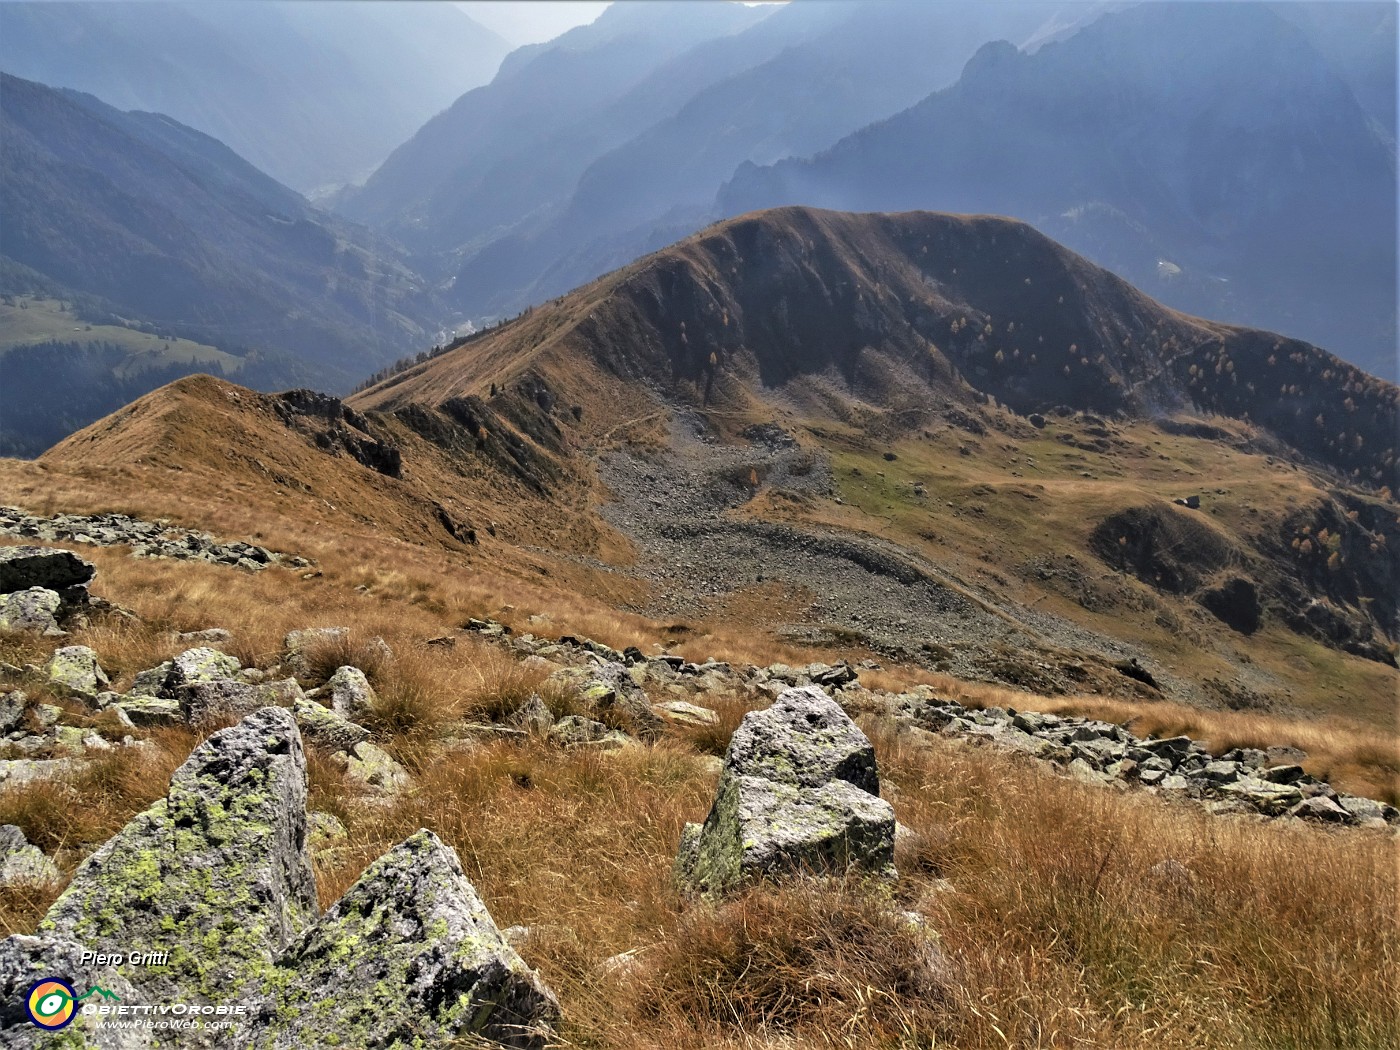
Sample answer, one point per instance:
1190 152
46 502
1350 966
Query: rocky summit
217 878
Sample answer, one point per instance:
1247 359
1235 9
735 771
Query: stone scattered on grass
351 694
34 610
799 792
22 863
74 669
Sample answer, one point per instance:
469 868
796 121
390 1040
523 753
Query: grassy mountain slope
834 482
1012 385
776 441
134 218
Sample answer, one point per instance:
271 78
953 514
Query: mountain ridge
1268 206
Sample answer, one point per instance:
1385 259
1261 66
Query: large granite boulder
217 873
798 793
408 957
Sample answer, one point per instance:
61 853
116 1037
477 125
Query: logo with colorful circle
52 1003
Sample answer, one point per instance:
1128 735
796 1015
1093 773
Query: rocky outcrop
42 589
217 872
799 792
1242 780
608 689
48 567
444 971
147 539
1265 783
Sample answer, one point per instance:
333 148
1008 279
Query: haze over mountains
1211 156
647 142
315 94
134 217
1233 160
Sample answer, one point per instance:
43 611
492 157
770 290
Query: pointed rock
217 873
408 957
804 739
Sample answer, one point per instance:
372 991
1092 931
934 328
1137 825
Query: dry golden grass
1064 925
72 816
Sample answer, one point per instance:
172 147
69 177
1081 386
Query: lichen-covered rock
533 716
326 729
49 567
805 739
34 610
577 731
682 712
798 793
151 682
74 668
231 698
209 636
217 873
615 694
20 862
408 957
17 771
150 711
351 694
195 666
324 830
375 768
24 961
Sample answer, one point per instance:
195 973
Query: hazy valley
806 525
